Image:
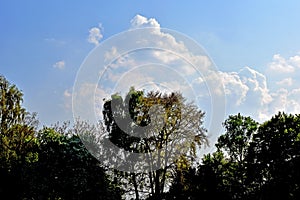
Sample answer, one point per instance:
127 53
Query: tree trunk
136 191
157 185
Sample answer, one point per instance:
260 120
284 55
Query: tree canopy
252 161
164 128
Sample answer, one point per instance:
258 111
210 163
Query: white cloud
60 65
283 100
295 60
247 90
281 65
235 89
257 83
293 105
285 82
95 35
142 22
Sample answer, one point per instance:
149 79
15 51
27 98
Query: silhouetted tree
172 131
274 157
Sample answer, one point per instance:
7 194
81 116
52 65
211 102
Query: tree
222 174
17 140
274 158
51 163
252 161
238 134
235 143
209 180
160 128
66 170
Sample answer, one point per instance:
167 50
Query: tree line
158 139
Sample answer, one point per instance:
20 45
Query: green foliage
51 163
11 111
239 132
274 158
66 170
155 125
252 161
17 140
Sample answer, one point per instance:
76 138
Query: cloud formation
260 94
95 35
282 65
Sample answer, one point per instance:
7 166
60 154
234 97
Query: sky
254 47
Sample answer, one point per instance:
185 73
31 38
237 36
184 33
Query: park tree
164 129
274 158
51 163
221 174
235 143
66 170
208 180
17 140
252 161
238 134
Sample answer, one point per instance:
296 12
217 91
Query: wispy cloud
285 82
55 42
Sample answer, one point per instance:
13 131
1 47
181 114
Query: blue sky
254 44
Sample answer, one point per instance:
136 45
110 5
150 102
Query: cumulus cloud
60 65
235 89
282 65
247 90
257 83
295 60
95 35
142 22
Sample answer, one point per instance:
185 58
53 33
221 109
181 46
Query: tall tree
170 127
17 140
235 142
238 134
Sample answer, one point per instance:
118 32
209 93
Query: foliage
66 170
17 140
161 128
252 161
51 163
274 158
